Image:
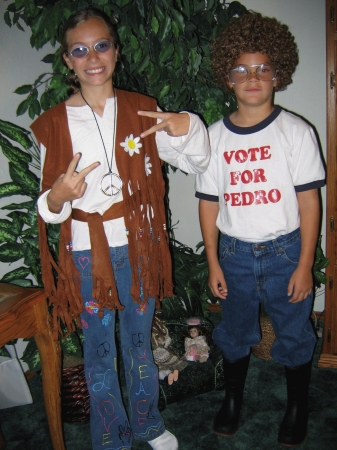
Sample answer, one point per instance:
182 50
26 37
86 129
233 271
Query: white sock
166 441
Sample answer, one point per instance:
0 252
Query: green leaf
8 189
23 282
164 91
34 109
320 278
45 101
71 345
4 352
155 24
166 52
143 65
16 133
24 89
48 59
164 28
123 32
137 55
134 42
24 205
175 29
22 176
10 252
31 256
7 236
17 274
23 106
31 356
7 18
179 19
159 13
12 153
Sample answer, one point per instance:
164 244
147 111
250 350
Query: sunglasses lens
238 75
79 52
266 72
103 46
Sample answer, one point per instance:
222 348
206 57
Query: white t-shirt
189 153
255 172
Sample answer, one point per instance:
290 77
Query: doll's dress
196 349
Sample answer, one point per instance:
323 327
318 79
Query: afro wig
253 33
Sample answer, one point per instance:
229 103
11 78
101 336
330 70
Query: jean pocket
224 251
291 252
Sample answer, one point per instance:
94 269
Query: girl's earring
119 67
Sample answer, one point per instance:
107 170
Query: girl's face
253 91
94 69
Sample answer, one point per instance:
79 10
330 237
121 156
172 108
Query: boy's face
253 91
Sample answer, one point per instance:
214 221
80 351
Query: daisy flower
131 144
148 165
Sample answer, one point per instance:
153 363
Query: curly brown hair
253 33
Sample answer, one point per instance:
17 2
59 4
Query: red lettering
228 156
235 177
226 197
252 152
241 156
246 176
235 198
260 197
247 198
259 175
265 152
274 195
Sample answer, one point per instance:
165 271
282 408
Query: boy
261 192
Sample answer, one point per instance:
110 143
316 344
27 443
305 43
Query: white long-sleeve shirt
190 153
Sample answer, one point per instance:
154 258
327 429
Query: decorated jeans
111 426
261 272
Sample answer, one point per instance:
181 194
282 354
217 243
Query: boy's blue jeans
111 426
261 272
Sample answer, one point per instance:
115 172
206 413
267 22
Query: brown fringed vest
148 242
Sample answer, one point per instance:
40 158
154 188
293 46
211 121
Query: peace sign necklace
111 183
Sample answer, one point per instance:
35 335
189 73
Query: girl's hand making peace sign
175 124
69 186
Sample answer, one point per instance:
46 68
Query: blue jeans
111 426
261 272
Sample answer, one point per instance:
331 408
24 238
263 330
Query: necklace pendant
111 184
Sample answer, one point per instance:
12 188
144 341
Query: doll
169 364
196 348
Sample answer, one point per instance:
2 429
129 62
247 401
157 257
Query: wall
306 96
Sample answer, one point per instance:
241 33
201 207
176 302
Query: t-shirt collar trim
254 129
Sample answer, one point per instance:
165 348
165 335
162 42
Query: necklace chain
107 184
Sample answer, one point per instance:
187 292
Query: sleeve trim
313 185
210 198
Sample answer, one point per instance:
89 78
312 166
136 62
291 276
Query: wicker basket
75 396
262 349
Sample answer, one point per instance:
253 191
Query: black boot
227 420
294 425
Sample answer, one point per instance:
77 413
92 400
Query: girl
102 181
